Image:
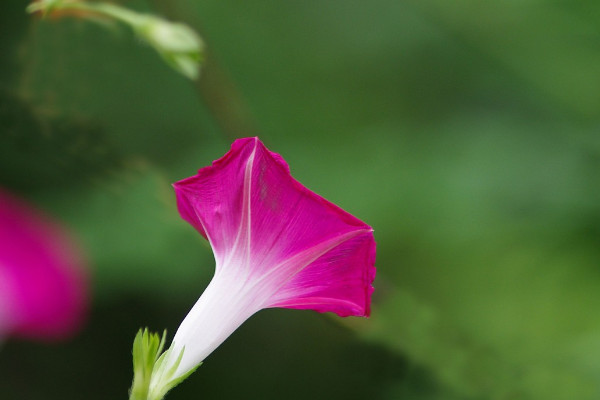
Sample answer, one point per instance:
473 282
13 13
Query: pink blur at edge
316 255
43 282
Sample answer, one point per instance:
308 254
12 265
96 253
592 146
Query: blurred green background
466 133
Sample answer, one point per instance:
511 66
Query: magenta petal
296 248
333 282
42 284
276 244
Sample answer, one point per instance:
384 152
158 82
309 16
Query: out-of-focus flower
42 281
276 244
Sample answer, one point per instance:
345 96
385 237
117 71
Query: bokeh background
466 133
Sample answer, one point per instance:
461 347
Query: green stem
110 10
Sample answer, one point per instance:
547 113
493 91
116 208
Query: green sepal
159 388
147 348
151 379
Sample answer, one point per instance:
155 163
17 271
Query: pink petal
294 247
42 284
332 282
276 244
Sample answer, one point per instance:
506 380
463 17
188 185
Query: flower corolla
275 243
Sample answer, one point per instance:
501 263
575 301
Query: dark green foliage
40 152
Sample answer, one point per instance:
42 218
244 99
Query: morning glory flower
42 284
275 243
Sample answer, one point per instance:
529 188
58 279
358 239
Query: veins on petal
314 301
210 241
299 261
246 217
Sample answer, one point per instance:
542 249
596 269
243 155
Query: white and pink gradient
276 244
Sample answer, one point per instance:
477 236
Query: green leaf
178 44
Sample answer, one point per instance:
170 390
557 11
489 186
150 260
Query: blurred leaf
178 44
